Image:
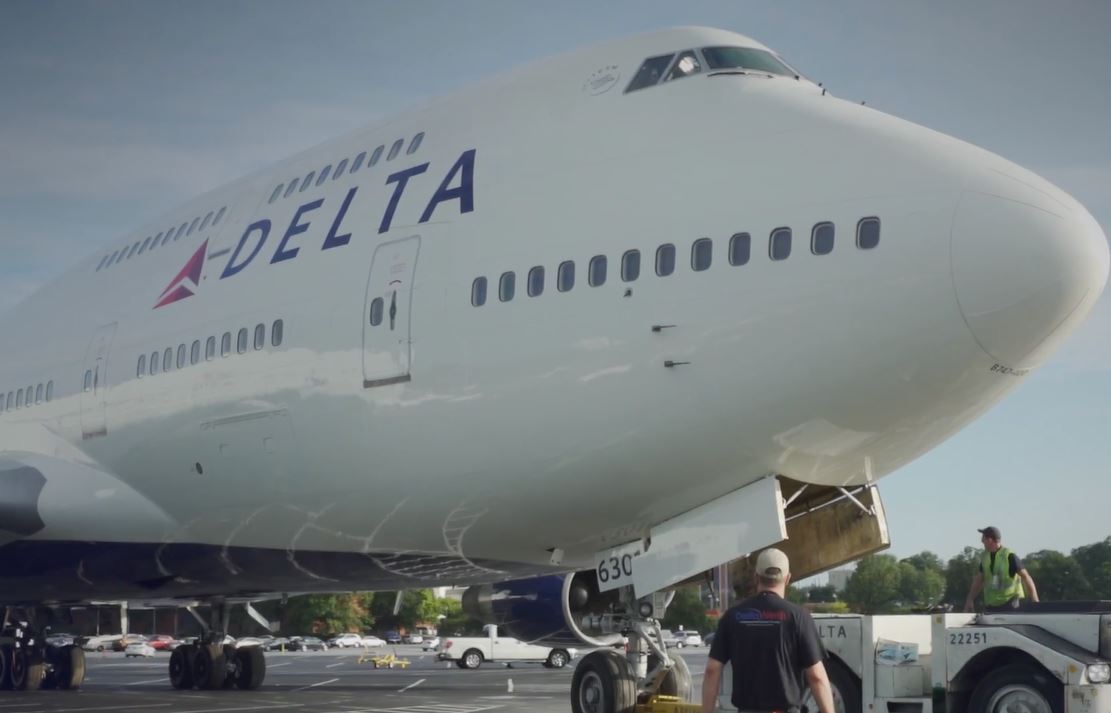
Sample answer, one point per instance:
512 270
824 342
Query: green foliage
688 611
920 588
958 576
1058 577
1095 563
418 606
831 608
797 595
874 586
822 595
326 614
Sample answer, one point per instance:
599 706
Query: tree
920 588
958 576
687 611
822 595
325 614
1095 563
1058 577
418 606
874 586
926 562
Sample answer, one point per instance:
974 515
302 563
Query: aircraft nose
1027 269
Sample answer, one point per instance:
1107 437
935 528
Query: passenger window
122 255
565 276
260 336
182 356
38 394
650 72
307 183
324 174
276 333
415 143
141 367
154 363
506 286
241 341
219 215
210 349
143 247
49 390
478 292
685 66
19 394
103 260
779 245
340 168
290 188
207 219
11 400
193 225
821 239
132 250
702 254
376 155
376 311
630 266
88 385
868 233
225 344
358 162
665 260
740 249
535 281
168 359
195 351
169 236
180 231
395 149
596 275
277 192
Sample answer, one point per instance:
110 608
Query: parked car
245 641
306 643
370 641
687 638
101 643
163 642
138 648
412 639
59 639
667 638
126 640
431 644
344 641
392 637
278 643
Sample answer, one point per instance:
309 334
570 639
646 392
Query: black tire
27 670
458 663
181 668
69 669
558 658
252 668
100 648
1039 691
603 683
846 689
472 658
209 667
5 668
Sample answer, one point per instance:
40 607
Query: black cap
992 532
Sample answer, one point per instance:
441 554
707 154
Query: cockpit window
745 58
650 72
687 65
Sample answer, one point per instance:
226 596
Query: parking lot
329 682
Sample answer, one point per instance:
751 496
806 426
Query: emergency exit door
387 317
94 387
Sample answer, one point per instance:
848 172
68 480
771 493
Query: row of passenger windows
198 224
30 396
169 359
702 253
283 190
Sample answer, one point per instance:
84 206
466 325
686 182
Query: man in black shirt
772 644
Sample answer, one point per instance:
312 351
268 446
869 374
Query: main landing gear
612 681
28 662
210 664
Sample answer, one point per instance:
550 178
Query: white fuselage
549 421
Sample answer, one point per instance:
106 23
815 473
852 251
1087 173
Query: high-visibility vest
999 586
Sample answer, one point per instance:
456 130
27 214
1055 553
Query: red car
163 642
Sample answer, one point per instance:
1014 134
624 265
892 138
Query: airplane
569 337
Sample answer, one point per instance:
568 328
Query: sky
113 112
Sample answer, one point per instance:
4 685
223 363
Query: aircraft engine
549 609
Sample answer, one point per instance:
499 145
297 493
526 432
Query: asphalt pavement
329 682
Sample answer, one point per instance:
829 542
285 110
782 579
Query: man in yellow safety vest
1003 579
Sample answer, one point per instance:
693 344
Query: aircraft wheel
209 667
27 670
677 681
181 669
603 683
472 658
5 667
69 668
1017 687
252 668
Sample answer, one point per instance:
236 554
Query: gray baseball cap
772 564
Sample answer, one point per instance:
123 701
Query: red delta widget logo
457 185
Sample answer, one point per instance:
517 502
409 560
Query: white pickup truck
471 651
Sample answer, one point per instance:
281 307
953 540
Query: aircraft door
387 321
94 387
